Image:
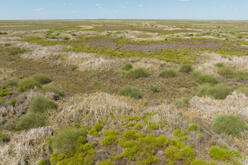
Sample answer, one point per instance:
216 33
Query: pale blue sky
123 9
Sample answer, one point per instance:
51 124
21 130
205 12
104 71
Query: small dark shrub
28 83
168 73
182 101
31 120
155 89
186 68
138 73
58 93
130 91
229 125
225 155
41 104
13 101
42 78
127 66
67 140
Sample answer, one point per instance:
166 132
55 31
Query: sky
124 9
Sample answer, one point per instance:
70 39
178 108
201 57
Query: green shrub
152 126
66 140
185 68
130 91
201 162
219 65
15 51
182 101
155 89
31 120
4 91
41 104
168 73
229 124
106 162
42 162
204 78
225 155
138 73
97 128
216 91
111 137
11 83
28 83
42 78
240 76
58 93
243 90
182 152
13 101
127 67
226 72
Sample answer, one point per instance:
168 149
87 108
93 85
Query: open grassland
124 92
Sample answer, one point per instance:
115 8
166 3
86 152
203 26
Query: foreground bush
138 73
229 125
226 72
28 83
58 93
216 91
127 67
243 90
168 73
41 104
204 78
130 91
67 140
42 78
31 120
186 68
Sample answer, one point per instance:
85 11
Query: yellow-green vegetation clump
130 91
127 67
138 73
186 68
96 129
204 78
230 73
229 124
41 104
215 91
168 73
225 155
28 83
58 93
42 78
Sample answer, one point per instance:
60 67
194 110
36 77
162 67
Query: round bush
204 78
41 104
168 73
216 91
31 120
127 67
138 73
186 68
130 91
229 125
42 78
28 83
66 139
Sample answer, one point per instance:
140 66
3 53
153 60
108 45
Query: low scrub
58 93
138 73
243 90
214 91
155 89
31 120
168 73
41 104
204 78
186 68
67 140
1 101
130 91
127 67
42 78
229 124
28 83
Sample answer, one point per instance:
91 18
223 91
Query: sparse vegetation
186 68
31 120
243 90
229 124
42 78
127 67
58 93
205 78
41 104
214 91
28 83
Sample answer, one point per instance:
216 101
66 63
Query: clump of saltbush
138 73
182 101
229 124
42 78
28 83
214 91
66 140
130 91
58 93
204 78
41 104
243 90
155 89
226 72
127 67
168 73
225 155
31 120
185 68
